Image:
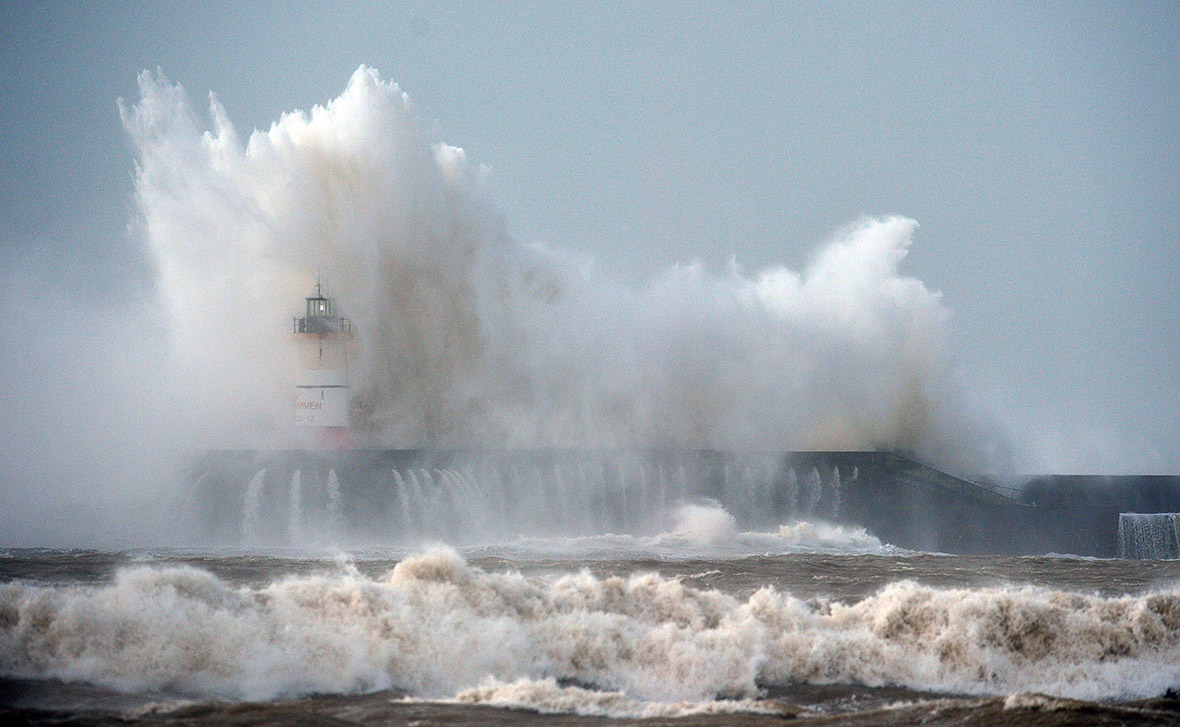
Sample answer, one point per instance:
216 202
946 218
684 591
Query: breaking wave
465 337
440 628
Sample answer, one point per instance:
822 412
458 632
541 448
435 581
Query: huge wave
437 627
466 337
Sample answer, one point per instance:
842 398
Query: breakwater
374 496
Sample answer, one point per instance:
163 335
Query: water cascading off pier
295 498
306 498
1149 536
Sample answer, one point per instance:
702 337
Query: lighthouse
323 338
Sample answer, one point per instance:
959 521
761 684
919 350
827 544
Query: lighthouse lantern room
321 391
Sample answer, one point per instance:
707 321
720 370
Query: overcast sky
1037 145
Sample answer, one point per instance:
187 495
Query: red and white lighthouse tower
321 390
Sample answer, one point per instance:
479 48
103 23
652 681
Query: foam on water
547 696
705 530
440 628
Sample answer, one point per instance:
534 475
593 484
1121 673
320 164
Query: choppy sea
704 625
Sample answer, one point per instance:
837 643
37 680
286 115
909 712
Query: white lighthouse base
321 399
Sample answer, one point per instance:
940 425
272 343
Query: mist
91 446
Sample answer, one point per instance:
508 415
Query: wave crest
438 626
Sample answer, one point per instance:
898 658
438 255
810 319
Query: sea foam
438 627
705 530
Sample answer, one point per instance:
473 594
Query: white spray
468 338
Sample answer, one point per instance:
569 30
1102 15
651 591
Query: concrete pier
373 496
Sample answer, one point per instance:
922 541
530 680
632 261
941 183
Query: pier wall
373 496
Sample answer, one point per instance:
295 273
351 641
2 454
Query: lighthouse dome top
319 306
320 317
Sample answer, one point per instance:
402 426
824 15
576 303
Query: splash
436 627
705 524
465 337
702 531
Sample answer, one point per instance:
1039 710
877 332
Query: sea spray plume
466 337
351 188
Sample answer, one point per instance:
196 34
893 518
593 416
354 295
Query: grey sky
1037 145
